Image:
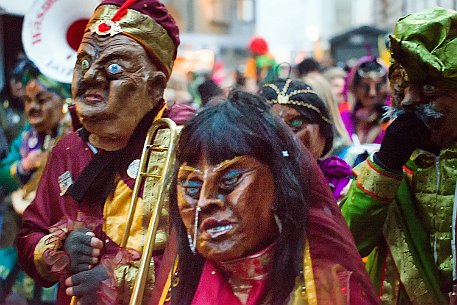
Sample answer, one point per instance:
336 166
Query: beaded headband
287 99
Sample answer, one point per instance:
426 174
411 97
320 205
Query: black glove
406 133
86 284
77 246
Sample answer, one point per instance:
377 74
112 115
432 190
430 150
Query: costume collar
97 179
254 267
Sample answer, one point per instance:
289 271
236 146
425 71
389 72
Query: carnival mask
44 109
227 208
115 84
307 131
434 102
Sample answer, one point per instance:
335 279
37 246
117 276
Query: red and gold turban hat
146 21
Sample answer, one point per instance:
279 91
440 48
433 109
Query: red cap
258 45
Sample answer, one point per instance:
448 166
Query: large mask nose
92 74
209 198
413 97
372 90
34 105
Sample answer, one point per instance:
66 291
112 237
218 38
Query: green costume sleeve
367 202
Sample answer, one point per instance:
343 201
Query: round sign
49 34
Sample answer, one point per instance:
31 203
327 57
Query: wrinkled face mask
113 86
434 102
227 208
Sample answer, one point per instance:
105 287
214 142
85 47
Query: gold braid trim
142 28
274 87
311 295
125 276
410 276
38 257
286 86
286 99
166 293
376 182
300 103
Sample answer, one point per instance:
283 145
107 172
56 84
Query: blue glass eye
85 64
192 191
192 188
115 69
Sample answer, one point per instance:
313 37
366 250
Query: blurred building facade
387 12
354 16
224 26
379 13
294 29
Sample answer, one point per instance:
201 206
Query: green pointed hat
425 44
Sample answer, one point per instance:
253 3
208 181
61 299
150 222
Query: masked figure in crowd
402 206
299 106
336 76
367 93
73 230
256 222
341 138
44 105
12 118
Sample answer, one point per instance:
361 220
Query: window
245 10
221 11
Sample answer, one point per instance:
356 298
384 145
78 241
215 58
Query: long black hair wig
243 125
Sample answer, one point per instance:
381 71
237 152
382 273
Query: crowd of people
300 186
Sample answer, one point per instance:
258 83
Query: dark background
10 43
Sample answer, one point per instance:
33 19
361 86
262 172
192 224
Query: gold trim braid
410 276
38 258
308 275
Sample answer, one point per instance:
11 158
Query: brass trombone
156 166
155 169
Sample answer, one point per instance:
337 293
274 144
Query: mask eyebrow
46 93
116 55
225 164
217 168
188 168
89 50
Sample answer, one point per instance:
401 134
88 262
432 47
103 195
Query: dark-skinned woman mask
255 221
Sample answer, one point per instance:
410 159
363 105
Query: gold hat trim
140 27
